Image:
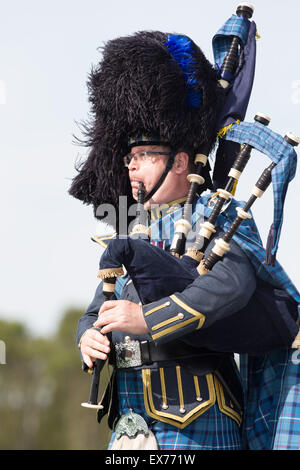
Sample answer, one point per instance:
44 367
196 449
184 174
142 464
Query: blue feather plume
181 49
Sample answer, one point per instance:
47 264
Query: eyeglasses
142 156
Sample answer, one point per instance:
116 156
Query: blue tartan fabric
280 152
211 431
234 26
239 92
272 387
120 283
163 226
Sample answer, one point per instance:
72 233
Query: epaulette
103 239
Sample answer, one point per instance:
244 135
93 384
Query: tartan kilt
272 414
212 430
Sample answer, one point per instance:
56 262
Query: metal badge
128 354
131 425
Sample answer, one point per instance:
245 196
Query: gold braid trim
110 272
226 129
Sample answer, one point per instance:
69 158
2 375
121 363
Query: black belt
134 353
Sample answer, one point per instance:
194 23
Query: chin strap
163 176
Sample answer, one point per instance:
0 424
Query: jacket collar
157 211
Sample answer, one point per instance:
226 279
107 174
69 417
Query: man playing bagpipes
172 326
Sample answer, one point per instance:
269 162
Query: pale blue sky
46 51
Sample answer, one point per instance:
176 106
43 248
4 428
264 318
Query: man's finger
94 353
100 338
107 305
87 360
92 336
111 327
96 345
104 319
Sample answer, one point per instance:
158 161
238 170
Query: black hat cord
163 176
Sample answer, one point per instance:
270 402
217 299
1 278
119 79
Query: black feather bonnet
149 83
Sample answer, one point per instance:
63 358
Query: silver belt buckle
128 354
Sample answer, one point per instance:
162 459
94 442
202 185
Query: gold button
199 399
182 410
164 406
180 316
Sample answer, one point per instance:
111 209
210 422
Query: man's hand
121 315
93 345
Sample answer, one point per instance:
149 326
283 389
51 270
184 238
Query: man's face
147 170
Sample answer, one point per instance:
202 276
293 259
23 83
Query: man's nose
133 165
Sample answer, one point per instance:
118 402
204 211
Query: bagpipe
268 321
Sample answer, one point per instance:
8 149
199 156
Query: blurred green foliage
41 389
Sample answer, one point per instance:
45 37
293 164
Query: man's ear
181 162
